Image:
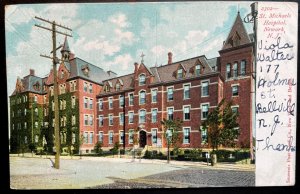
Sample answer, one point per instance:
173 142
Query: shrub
115 149
98 148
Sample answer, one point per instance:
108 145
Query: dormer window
179 73
142 79
236 39
198 70
85 69
106 88
118 87
36 86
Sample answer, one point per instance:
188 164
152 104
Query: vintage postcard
151 94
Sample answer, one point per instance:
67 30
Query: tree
98 148
171 128
221 125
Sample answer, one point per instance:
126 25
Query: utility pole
55 60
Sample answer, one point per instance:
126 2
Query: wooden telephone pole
55 60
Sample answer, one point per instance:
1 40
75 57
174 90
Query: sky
114 35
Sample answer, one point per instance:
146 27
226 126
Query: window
197 70
186 135
130 137
235 69
170 113
121 118
91 137
64 104
154 136
121 137
121 100
100 137
204 88
110 119
118 86
85 102
170 94
73 120
86 122
110 102
91 103
154 96
142 97
235 109
130 115
36 111
186 112
243 67
142 116
85 87
100 120
203 136
85 137
36 124
91 88
25 125
204 111
228 70
73 102
142 79
91 119
73 138
235 90
186 91
179 73
111 136
100 105
35 98
154 115
106 88
131 99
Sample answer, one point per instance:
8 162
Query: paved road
188 178
89 172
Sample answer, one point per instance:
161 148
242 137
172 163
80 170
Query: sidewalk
117 159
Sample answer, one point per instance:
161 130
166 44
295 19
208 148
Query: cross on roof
142 55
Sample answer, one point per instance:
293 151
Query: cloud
18 16
119 19
120 62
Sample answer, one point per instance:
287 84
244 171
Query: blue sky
113 36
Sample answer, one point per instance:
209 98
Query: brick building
186 89
99 106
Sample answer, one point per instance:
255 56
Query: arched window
142 79
142 97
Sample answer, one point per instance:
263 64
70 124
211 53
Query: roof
164 73
238 30
29 83
65 46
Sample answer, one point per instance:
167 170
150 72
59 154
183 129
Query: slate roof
239 28
28 83
163 74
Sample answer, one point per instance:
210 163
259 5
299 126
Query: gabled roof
238 29
127 83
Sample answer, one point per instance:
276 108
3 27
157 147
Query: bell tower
65 51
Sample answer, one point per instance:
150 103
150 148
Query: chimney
170 58
31 72
136 67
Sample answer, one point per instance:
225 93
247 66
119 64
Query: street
98 172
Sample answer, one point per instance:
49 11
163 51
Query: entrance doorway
143 138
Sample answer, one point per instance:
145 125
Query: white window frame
170 107
152 109
140 115
184 97
189 132
132 117
91 106
152 137
120 97
142 84
99 123
85 121
91 137
85 102
183 109
100 102
207 103
170 87
141 98
112 103
132 99
110 135
110 123
100 136
130 134
120 120
121 141
202 88
152 90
